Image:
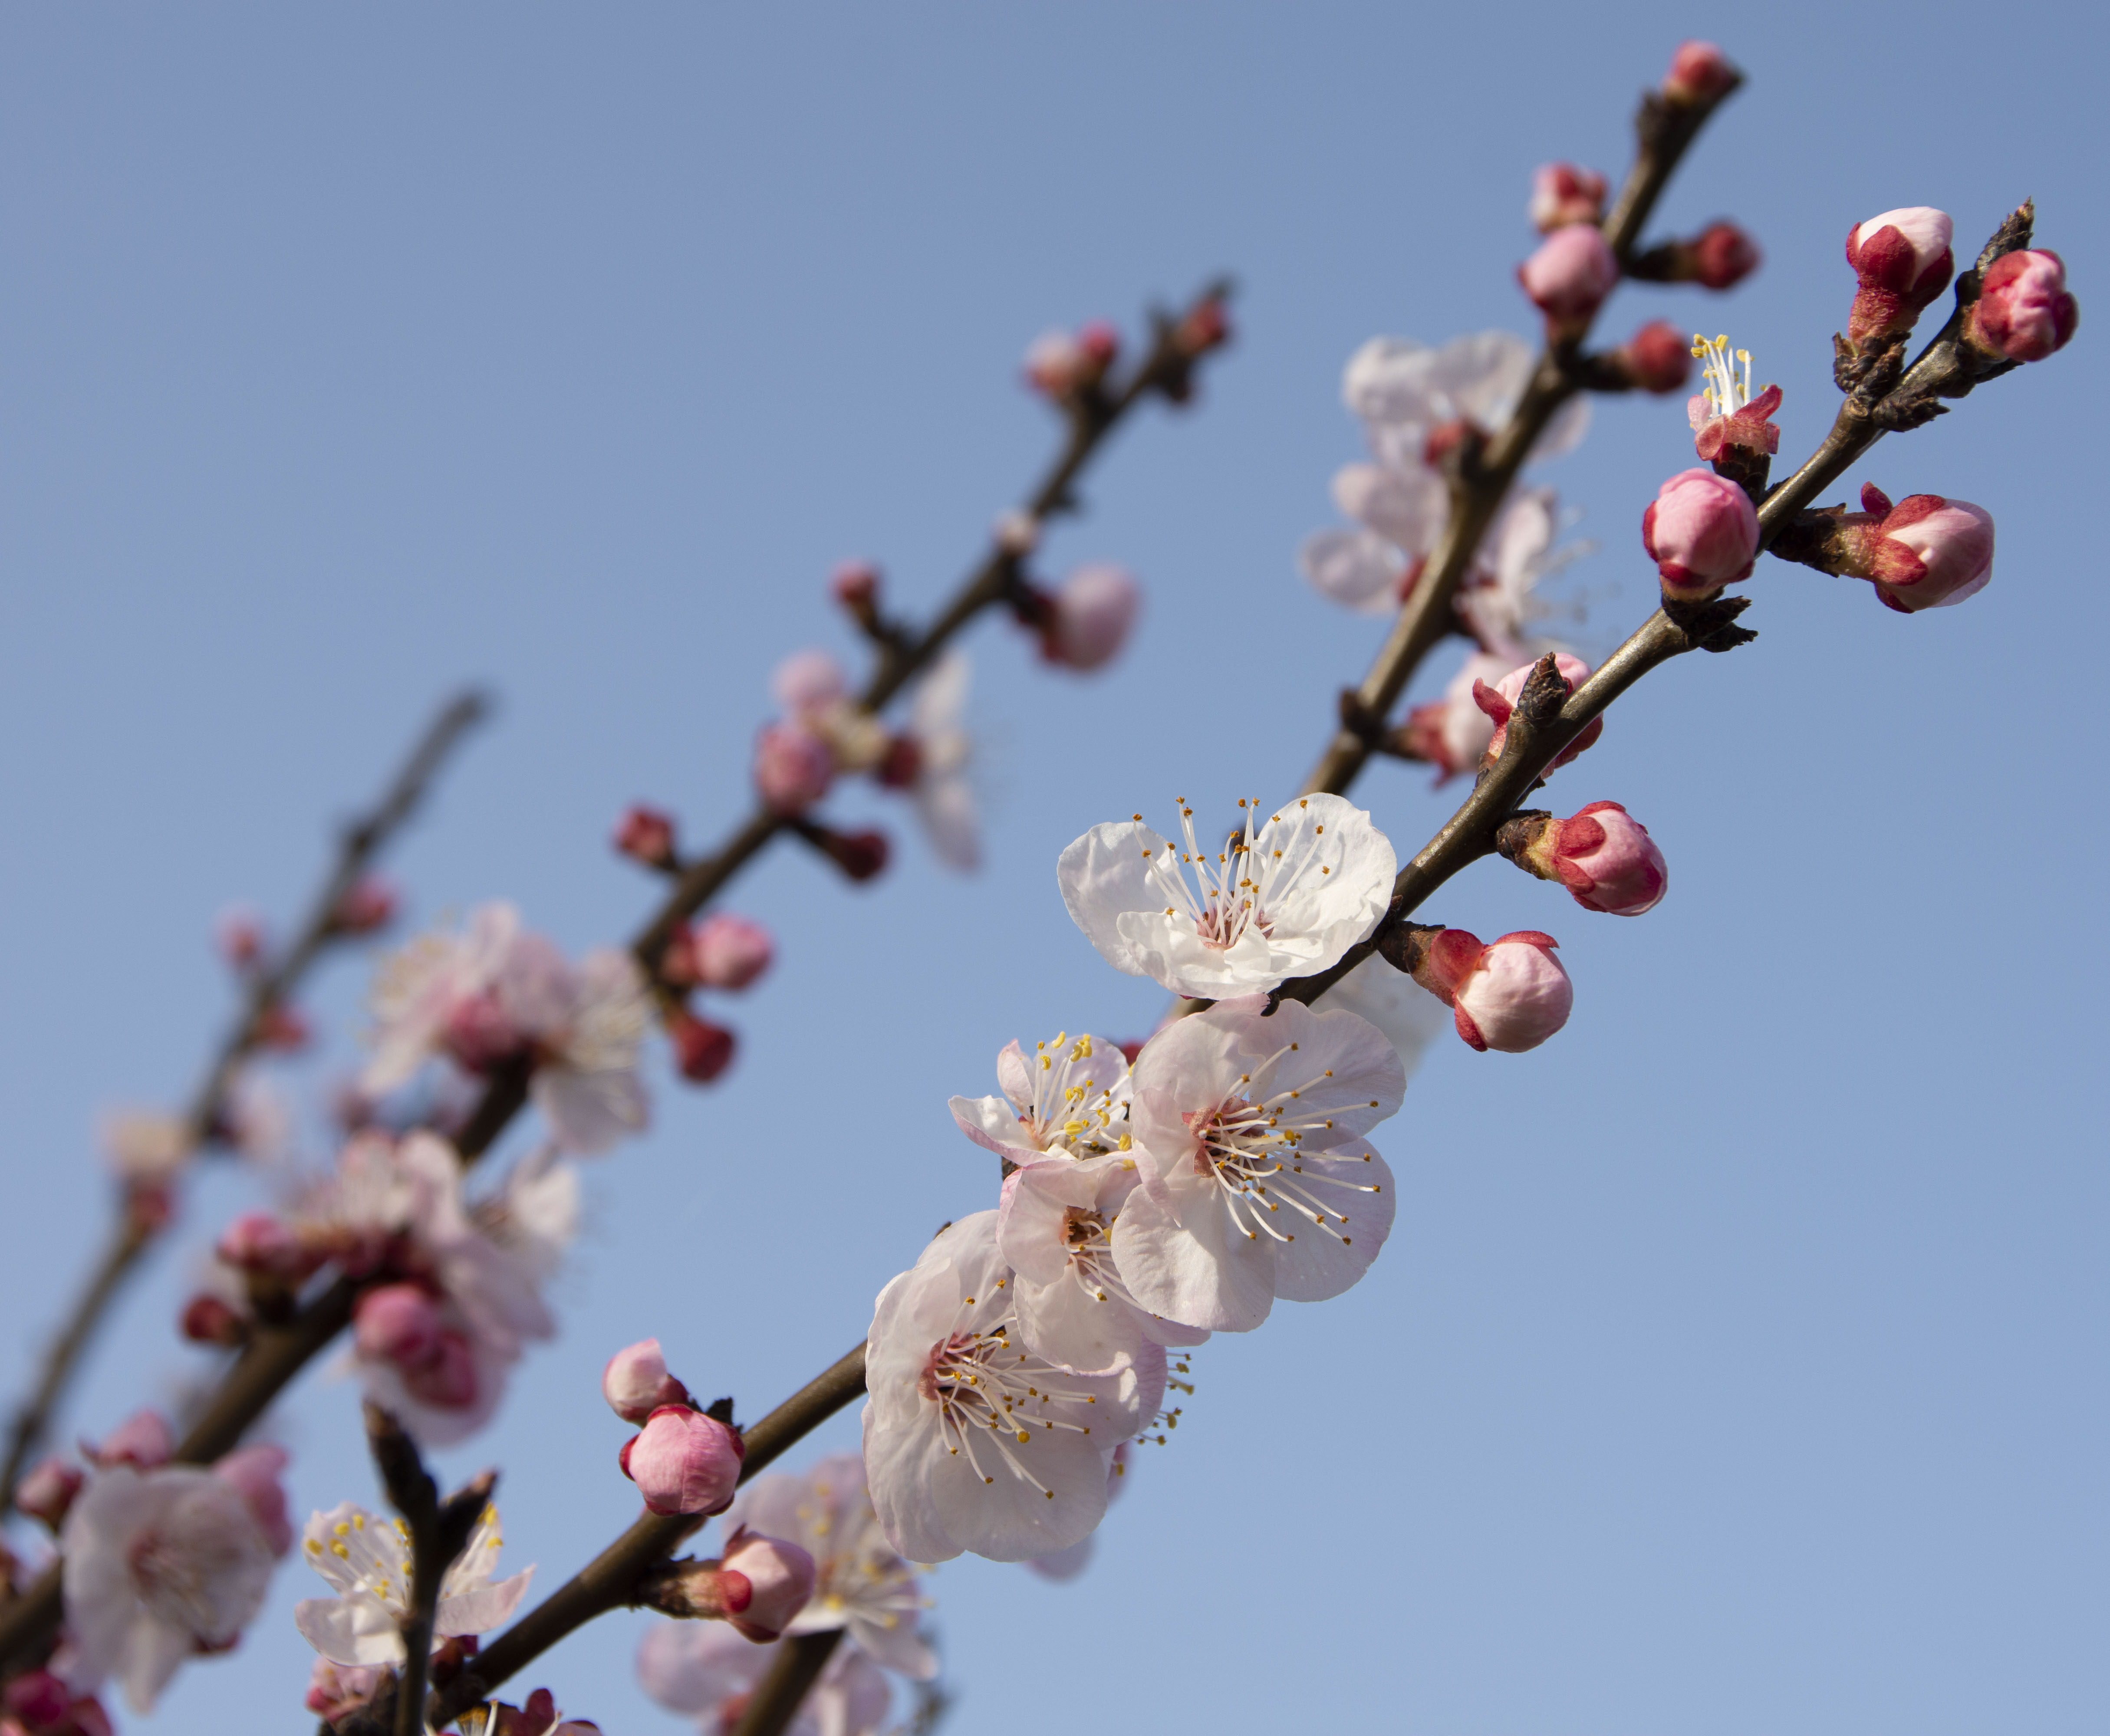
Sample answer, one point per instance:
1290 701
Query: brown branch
205 1117
778 1695
1483 482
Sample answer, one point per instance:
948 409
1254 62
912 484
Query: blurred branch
778 1695
206 1117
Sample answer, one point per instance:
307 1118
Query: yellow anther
1073 1128
340 1552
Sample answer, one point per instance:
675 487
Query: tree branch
778 1695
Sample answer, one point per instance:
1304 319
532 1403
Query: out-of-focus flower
495 994
366 1559
855 585
1902 261
538 1717
1699 71
703 1051
1086 619
262 1245
729 951
683 1461
636 1382
240 936
1561 193
709 1672
369 905
1510 994
146 1146
970 1441
1500 701
46 1492
1702 532
1452 733
335 1691
1722 256
1062 365
1498 602
1656 359
1287 896
39 1703
1069 1098
1569 276
943 794
1602 855
1258 1182
211 1319
143 1440
793 767
860 1582
646 835
2023 311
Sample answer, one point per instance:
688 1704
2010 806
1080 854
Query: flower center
1235 894
1071 1112
1726 393
1253 1150
990 1390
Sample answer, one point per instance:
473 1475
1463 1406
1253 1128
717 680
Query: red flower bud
1724 254
729 951
2023 312
369 906
1698 71
1570 275
683 1461
1702 532
1903 260
208 1319
702 1050
1658 358
398 1323
855 585
646 835
1561 194
792 768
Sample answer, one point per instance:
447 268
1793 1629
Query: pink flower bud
1562 194
479 1033
397 1323
1060 364
1089 616
1702 532
1724 254
1903 260
792 768
1499 701
449 1381
253 1473
1510 995
1607 860
47 1491
1925 551
855 585
636 1382
238 935
208 1319
2023 312
862 855
282 1027
1205 326
779 1578
1658 358
683 1461
730 952
1570 275
901 765
809 680
39 1699
646 835
142 1440
261 1245
369 905
1698 71
702 1050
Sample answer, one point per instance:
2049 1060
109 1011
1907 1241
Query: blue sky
1737 1362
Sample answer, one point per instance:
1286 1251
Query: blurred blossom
366 1559
944 795
706 1670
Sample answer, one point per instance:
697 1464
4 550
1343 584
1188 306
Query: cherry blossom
707 1671
1498 601
944 795
970 1441
861 1584
1066 1564
1069 1096
1247 1119
1451 734
1284 897
366 1559
1410 1016
496 993
1723 412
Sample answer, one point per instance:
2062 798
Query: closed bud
702 1050
40 1699
238 937
636 1382
862 855
1925 551
1569 276
335 1691
1205 326
1602 855
1724 254
855 585
1658 358
729 951
208 1319
369 906
1510 995
645 834
397 1323
2023 312
47 1492
792 768
282 1027
683 1461
1017 532
1064 365
142 1440
262 1246
780 1577
901 765
1903 260
1561 194
1087 617
1702 532
1699 72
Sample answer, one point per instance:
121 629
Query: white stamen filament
1725 394
984 1385
1247 1145
1242 889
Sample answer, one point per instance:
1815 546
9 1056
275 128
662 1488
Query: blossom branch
1481 474
268 992
798 1665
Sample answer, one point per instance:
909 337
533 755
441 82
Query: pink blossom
366 1560
1570 275
1925 551
1608 861
538 1717
2023 312
369 905
636 1382
264 1245
1452 733
683 1461
1656 359
855 585
730 952
709 1672
398 1323
1089 616
942 789
778 1577
142 1440
210 1319
1702 532
792 768
1068 1099
39 1703
1256 1182
1698 71
646 835
1501 700
253 1473
1510 995
46 1492
1561 194
1902 261
335 1691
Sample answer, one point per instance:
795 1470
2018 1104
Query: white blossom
1070 1096
366 1559
944 798
706 1669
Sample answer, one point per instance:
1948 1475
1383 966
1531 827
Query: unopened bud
1925 551
369 906
809 680
262 1245
208 1319
1658 358
1087 617
730 952
1903 260
450 1380
238 937
1702 532
282 1027
47 1492
2023 312
398 1323
636 1382
862 855
683 1461
142 1440
335 1691
792 768
702 1050
1698 71
855 585
1603 855
1064 365
1207 326
1569 276
1562 194
1017 533
39 1700
646 835
1510 995
1724 254
901 765
1499 702
780 1577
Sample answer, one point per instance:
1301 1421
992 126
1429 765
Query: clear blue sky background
1737 1364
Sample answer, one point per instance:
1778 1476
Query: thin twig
205 1117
